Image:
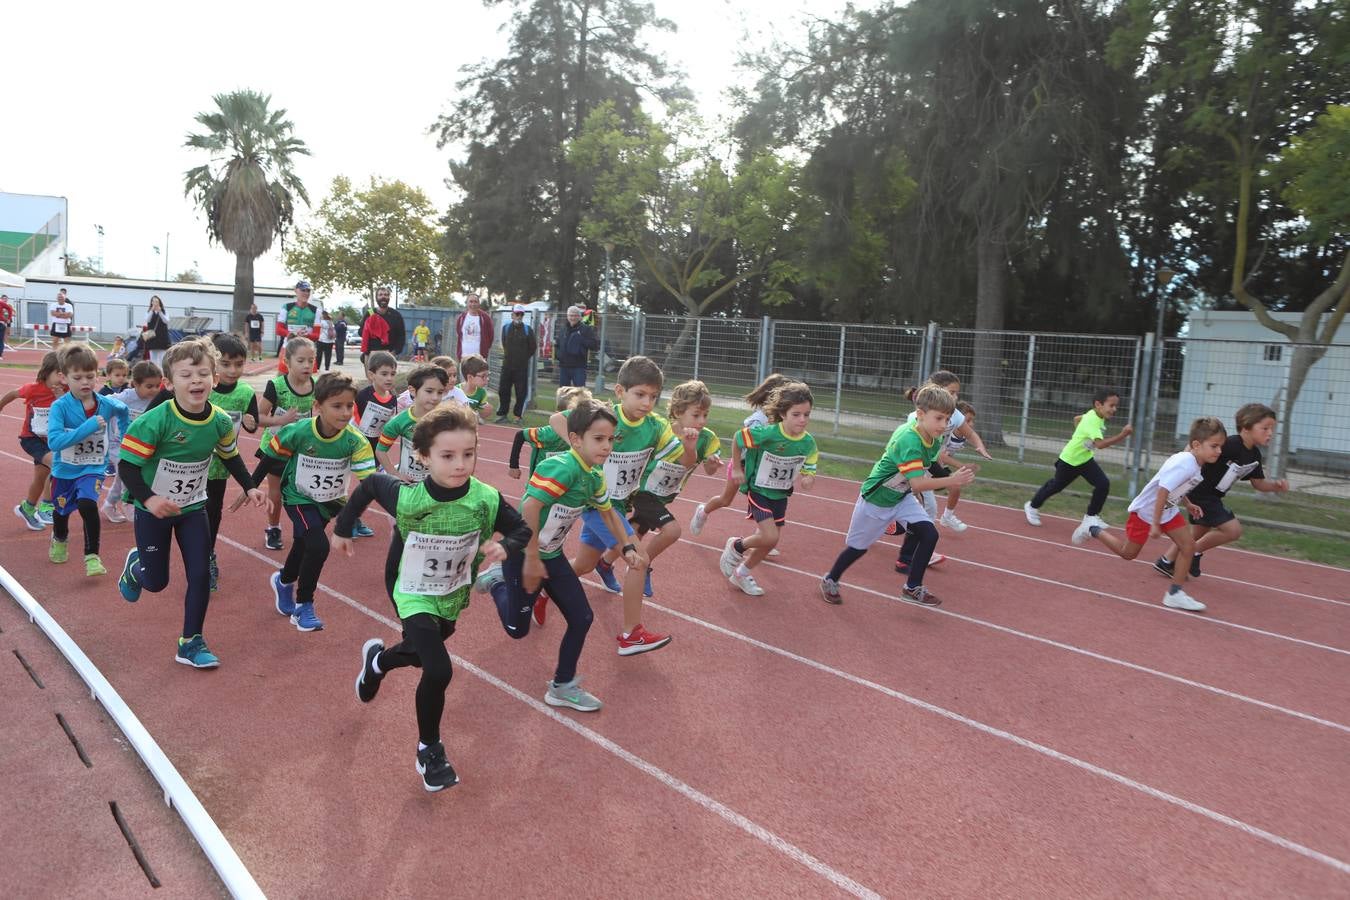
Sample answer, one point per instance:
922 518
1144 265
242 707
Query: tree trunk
684 340
986 380
1305 357
243 290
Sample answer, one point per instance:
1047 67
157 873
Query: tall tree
515 225
248 186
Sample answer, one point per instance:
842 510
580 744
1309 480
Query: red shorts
1136 529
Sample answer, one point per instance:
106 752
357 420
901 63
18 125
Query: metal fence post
1159 351
928 357
638 339
534 364
765 349
1026 400
839 377
934 352
1141 409
1132 442
698 343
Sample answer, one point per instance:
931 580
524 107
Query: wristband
627 547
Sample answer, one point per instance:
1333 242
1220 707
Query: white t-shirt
59 325
472 336
1177 476
957 419
405 400
456 394
756 418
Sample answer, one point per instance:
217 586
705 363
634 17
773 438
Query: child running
38 397
890 494
147 380
285 399
165 456
78 440
756 398
544 441
1240 460
443 532
774 455
451 368
561 490
428 384
957 428
1077 459
474 387
240 403
375 405
312 458
1155 512
641 436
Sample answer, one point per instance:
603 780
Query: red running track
1055 732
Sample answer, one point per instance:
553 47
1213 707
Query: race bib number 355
184 483
321 479
623 472
778 472
436 565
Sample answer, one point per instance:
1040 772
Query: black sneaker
1165 567
368 682
272 537
435 769
1195 565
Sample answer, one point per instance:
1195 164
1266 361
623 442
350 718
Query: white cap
518 308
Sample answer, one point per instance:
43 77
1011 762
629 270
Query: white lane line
721 810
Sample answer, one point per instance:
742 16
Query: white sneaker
747 584
773 552
1182 600
114 513
950 520
730 558
699 520
1033 514
1081 533
1098 521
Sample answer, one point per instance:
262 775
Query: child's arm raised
558 422
513 461
1270 485
1103 443
10 397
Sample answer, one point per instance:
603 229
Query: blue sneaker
606 573
647 583
285 594
304 619
362 530
129 584
29 514
193 653
45 512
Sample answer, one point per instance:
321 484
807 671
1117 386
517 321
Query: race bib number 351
184 483
778 472
436 565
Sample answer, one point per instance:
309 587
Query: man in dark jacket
518 348
390 334
574 346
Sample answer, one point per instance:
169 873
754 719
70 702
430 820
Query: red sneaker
892 528
540 608
640 640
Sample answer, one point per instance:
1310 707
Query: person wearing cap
518 348
297 319
574 345
382 328
473 330
6 320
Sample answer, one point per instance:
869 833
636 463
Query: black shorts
255 337
649 513
759 508
1213 512
938 470
35 447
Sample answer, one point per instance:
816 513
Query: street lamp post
604 322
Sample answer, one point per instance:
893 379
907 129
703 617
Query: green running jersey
175 452
441 541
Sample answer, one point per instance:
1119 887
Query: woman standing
155 331
325 342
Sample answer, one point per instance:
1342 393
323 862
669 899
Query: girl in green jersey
285 399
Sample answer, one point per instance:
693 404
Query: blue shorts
35 447
68 492
595 533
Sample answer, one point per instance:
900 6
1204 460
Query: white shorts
869 521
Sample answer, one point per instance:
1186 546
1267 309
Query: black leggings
324 356
423 647
309 551
920 540
1064 476
215 506
92 527
514 605
194 543
517 378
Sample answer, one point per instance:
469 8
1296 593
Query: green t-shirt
175 452
300 320
287 398
400 428
235 401
636 443
908 454
441 541
773 460
565 486
1079 449
316 466
476 399
544 442
664 477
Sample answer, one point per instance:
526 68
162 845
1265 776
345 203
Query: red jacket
6 312
485 326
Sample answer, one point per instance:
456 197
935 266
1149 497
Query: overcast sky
99 99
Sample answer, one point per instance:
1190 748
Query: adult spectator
518 348
325 343
155 331
421 339
340 336
60 318
253 329
6 320
383 328
574 345
473 330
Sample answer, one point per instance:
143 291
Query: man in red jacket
6 320
473 330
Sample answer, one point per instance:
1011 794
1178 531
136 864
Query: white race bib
559 522
777 473
92 451
321 479
623 472
436 565
237 420
39 423
408 463
1234 474
666 478
373 418
183 483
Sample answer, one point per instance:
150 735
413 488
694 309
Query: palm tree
248 187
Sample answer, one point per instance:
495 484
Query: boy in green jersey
286 399
891 494
428 384
641 436
241 404
474 386
443 533
165 457
313 457
775 455
544 442
1077 459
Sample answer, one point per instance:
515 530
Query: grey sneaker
571 695
920 595
490 576
1032 513
829 591
747 584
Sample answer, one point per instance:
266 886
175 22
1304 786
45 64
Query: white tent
10 280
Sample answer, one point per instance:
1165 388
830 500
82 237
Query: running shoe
368 681
28 513
114 513
746 583
500 420
698 520
773 552
949 520
1165 567
640 640
45 511
272 537
59 551
570 694
1195 565
489 578
213 570
1032 513
1176 598
1083 531
93 565
921 595
129 585
1099 522
829 591
361 529
436 771
540 608
192 652
304 619
730 558
606 573
284 594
